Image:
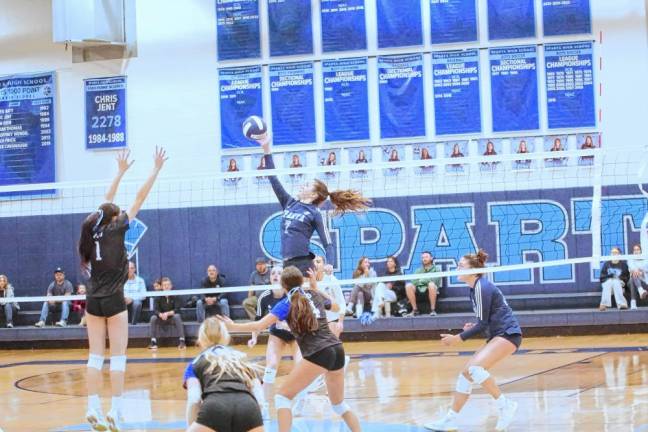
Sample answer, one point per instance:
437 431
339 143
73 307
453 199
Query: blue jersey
298 222
494 316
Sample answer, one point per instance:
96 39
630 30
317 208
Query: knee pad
269 375
463 385
95 361
118 363
478 374
282 402
341 408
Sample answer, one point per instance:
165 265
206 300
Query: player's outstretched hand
227 320
449 340
122 161
312 279
468 326
160 157
264 142
252 342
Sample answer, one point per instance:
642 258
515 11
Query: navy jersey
298 222
109 261
494 316
209 382
310 343
265 303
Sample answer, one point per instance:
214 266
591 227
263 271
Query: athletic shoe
96 420
113 418
447 423
602 308
643 293
414 313
623 306
432 313
61 323
40 324
506 415
633 304
153 346
9 325
182 345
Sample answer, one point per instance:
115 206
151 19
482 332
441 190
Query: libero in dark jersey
104 260
496 320
221 385
301 216
305 312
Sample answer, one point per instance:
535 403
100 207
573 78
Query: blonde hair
225 361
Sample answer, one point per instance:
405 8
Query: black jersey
265 304
109 263
209 382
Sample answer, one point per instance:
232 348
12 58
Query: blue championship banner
343 25
105 109
566 17
399 23
346 109
514 88
290 27
453 21
293 109
570 85
456 92
27 129
240 97
402 111
237 26
511 19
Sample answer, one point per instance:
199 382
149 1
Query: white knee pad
95 361
282 402
118 363
478 374
341 408
463 385
269 375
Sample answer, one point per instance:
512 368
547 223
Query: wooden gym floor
593 383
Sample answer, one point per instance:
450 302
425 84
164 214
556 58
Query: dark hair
396 263
637 245
343 200
301 318
477 260
91 226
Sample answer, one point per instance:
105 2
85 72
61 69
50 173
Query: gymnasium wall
173 102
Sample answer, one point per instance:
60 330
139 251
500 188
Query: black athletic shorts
284 335
515 339
303 263
230 412
106 306
330 358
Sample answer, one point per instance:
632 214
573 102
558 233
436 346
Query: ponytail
343 200
301 318
477 260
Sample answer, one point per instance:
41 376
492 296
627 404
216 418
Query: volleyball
254 127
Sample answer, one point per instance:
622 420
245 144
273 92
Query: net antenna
596 210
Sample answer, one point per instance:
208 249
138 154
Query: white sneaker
113 418
506 415
633 304
61 323
40 324
447 423
96 420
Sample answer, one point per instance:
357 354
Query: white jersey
335 292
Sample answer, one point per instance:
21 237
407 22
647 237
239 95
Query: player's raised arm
142 193
122 164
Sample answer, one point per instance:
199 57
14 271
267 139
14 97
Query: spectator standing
7 291
416 291
362 293
614 277
134 293
260 276
59 287
167 313
212 304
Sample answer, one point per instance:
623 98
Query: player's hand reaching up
160 157
122 161
264 142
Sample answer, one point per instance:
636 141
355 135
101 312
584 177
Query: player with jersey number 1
104 260
301 216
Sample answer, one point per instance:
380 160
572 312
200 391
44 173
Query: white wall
172 84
